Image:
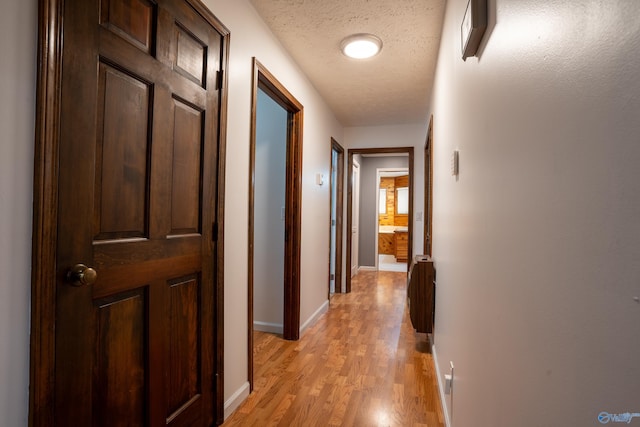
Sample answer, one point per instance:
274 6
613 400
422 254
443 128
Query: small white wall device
455 163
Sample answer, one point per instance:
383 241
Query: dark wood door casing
143 93
267 82
335 146
428 191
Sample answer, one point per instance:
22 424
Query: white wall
250 37
17 86
269 200
406 135
537 243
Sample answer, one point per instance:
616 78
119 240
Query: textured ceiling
391 88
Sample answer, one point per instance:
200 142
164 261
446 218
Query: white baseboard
367 268
314 317
236 400
272 328
275 328
445 409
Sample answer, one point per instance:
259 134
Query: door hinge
332 277
220 78
214 232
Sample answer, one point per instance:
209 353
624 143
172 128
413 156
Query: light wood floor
361 364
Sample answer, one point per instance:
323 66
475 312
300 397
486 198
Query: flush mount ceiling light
361 46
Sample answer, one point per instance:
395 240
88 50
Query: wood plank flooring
361 364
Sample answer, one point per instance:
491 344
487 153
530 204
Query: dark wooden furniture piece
421 293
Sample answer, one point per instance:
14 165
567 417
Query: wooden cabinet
386 244
421 293
401 243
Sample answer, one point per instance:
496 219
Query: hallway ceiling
393 87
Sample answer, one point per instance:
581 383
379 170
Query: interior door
135 337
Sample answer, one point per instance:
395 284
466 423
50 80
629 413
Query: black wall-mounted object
421 293
474 24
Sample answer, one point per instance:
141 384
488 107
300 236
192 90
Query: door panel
138 168
121 344
191 56
132 19
184 343
188 122
122 153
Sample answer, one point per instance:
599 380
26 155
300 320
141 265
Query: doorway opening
337 192
392 208
268 221
355 214
264 82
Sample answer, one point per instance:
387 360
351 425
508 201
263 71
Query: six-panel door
138 147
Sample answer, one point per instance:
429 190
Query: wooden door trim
428 191
264 80
339 214
390 151
220 203
45 212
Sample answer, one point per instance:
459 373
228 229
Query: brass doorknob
81 275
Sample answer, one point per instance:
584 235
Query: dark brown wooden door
138 157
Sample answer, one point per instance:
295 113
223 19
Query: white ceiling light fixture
361 46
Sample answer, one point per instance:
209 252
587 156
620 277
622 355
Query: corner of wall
314 317
236 400
443 396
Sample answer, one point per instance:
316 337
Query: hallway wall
18 41
536 243
250 37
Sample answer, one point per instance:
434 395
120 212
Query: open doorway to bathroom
365 219
392 216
